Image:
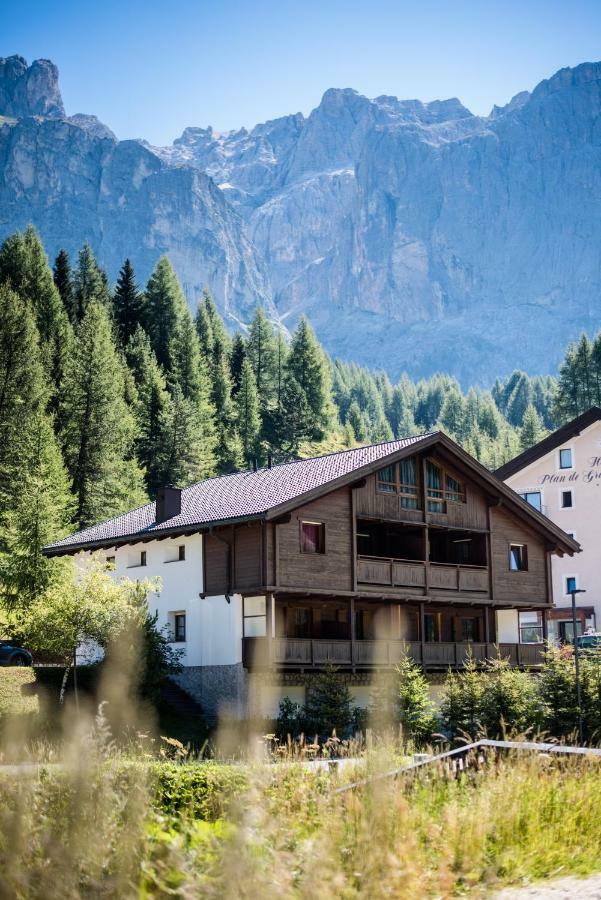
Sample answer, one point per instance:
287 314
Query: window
386 480
179 628
400 478
571 584
313 537
565 459
300 622
255 616
181 552
533 498
110 562
518 557
442 488
143 558
566 500
469 629
531 626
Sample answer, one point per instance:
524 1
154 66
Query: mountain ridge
416 236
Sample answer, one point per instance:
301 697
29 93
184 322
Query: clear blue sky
149 69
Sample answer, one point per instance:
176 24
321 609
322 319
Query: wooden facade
435 595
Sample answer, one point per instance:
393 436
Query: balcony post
422 631
486 626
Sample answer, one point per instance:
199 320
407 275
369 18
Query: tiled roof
242 495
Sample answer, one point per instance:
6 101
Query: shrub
557 691
195 790
290 719
416 710
328 706
461 706
510 699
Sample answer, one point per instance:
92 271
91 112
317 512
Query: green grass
115 824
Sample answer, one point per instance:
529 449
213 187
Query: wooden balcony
423 577
299 653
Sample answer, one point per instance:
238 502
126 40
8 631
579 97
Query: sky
149 69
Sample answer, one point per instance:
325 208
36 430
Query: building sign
589 475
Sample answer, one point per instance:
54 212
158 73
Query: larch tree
127 303
63 278
164 307
247 412
90 284
23 395
24 264
307 364
39 513
532 430
237 357
99 428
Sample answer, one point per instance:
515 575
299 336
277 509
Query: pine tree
189 455
190 373
63 279
99 428
566 402
306 363
261 351
164 307
237 357
247 408
154 413
90 284
39 513
532 430
127 303
24 264
228 449
328 707
293 422
221 340
23 394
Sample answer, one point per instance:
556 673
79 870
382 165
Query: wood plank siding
330 570
247 556
530 586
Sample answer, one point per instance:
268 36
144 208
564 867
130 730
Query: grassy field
109 823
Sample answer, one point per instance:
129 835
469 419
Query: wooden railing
411 573
313 654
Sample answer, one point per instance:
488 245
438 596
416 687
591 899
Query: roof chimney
169 503
269 460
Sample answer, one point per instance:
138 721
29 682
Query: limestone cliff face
420 236
416 236
76 183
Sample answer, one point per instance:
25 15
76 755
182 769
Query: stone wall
219 689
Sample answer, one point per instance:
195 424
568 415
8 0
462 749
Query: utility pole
577 662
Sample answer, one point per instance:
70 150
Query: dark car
11 654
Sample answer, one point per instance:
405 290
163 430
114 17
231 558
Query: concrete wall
583 519
213 626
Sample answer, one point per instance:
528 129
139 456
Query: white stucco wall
583 519
213 626
507 626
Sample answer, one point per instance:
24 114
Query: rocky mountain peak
29 90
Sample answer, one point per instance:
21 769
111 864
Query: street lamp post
577 660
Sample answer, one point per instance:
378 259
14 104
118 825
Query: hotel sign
586 476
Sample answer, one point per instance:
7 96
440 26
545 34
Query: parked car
11 654
589 641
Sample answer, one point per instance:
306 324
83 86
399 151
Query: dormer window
400 478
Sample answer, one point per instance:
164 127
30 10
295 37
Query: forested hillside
108 392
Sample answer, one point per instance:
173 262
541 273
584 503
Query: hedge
201 790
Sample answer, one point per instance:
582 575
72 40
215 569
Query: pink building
561 477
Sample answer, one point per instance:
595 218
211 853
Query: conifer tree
566 402
153 413
89 284
293 422
237 357
63 279
261 351
23 394
164 307
204 329
532 430
24 264
127 303
99 428
39 513
247 409
221 340
306 363
228 447
189 456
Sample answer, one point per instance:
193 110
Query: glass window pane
434 476
387 479
254 606
312 537
255 626
566 499
565 459
408 472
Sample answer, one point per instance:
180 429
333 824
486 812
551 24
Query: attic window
518 558
313 537
400 478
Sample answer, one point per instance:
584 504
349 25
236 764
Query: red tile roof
239 496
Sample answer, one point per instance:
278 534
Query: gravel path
562 889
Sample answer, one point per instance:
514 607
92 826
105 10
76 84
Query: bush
17 697
416 710
290 719
195 790
328 706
